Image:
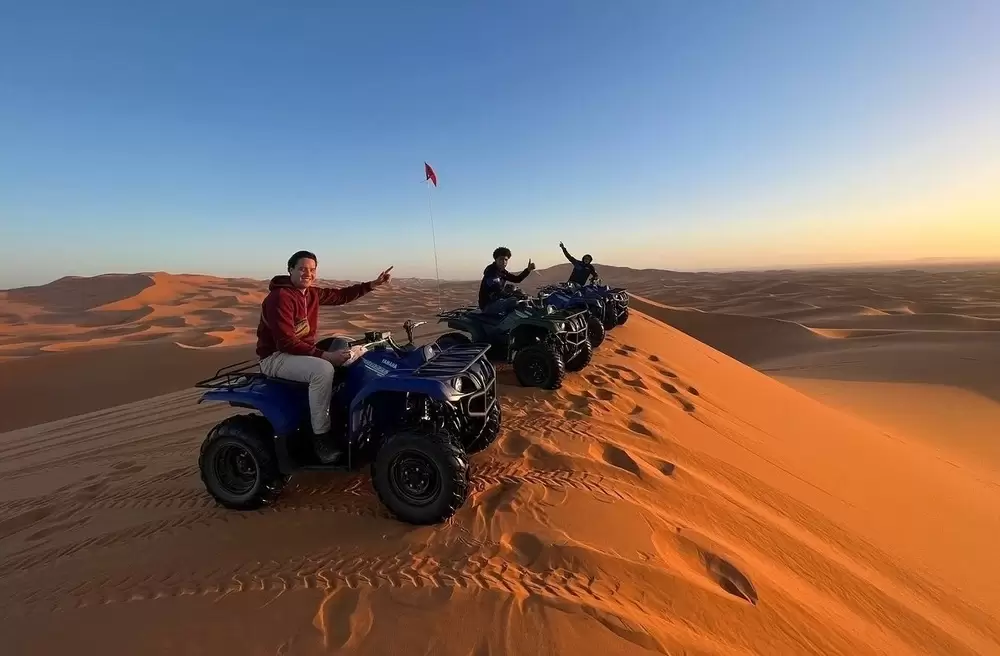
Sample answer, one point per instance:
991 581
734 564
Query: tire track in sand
328 571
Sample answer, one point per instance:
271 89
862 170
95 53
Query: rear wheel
238 464
540 365
490 432
582 357
595 331
421 477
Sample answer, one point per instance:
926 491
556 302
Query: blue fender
431 387
280 406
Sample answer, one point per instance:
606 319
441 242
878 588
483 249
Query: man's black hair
293 261
502 250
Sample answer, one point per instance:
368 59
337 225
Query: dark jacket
582 273
288 317
491 288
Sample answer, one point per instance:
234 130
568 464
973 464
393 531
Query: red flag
431 175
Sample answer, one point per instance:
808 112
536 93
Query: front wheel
610 319
238 465
421 477
540 365
624 317
582 357
490 432
595 331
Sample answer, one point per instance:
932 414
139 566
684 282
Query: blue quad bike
564 299
541 342
615 299
413 413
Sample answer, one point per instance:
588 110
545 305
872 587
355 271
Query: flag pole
430 210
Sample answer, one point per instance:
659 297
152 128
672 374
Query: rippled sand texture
669 499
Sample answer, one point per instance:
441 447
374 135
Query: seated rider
286 337
495 297
583 270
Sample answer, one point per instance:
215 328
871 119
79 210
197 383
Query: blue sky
218 137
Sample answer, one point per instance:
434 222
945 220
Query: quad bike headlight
457 384
560 325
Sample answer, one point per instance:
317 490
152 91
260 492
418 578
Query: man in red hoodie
286 338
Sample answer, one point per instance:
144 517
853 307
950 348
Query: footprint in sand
667 468
729 578
489 499
344 617
604 394
666 372
527 546
616 372
597 381
685 404
514 443
654 358
696 548
671 389
640 428
616 457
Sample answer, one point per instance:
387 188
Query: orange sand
670 499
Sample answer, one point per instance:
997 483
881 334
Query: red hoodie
288 317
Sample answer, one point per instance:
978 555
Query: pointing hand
383 278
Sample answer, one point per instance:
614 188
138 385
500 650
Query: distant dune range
841 499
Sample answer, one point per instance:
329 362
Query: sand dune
893 330
190 311
670 499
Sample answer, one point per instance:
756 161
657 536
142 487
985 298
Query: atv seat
338 374
488 318
285 381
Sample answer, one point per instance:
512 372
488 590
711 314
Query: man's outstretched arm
569 257
339 296
517 277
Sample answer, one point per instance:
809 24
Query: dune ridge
914 352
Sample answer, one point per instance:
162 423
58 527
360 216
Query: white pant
307 369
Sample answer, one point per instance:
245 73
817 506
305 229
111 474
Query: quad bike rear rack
232 376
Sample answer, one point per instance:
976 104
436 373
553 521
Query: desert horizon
758 462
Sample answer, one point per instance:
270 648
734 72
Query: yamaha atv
541 343
412 413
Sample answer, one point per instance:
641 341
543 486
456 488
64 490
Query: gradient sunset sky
219 137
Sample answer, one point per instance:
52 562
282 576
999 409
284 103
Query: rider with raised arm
583 270
494 295
286 338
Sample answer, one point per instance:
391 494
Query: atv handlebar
374 338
